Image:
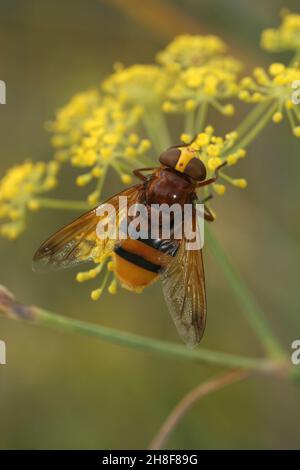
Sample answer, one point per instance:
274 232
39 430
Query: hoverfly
139 262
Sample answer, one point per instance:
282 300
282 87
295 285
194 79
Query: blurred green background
67 391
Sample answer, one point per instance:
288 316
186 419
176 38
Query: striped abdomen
138 262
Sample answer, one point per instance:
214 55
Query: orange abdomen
137 264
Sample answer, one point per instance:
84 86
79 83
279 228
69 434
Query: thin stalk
201 117
157 129
189 118
39 316
152 133
189 400
251 309
256 129
101 181
291 118
63 204
296 59
162 127
251 118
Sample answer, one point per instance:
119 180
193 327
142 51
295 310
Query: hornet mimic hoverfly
138 262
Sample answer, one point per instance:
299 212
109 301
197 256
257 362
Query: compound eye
170 157
196 169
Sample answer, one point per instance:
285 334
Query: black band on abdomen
137 260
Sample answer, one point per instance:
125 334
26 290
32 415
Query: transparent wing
78 242
183 285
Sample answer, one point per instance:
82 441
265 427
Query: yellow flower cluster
19 189
211 83
201 73
190 51
68 126
214 151
276 86
96 132
106 138
285 37
104 270
143 85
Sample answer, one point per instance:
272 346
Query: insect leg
208 215
207 198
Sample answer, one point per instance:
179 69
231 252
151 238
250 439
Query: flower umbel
274 86
68 127
210 84
143 85
107 137
285 37
19 189
190 51
110 140
201 75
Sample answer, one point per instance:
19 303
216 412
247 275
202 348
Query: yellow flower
67 128
104 269
275 86
107 138
190 51
211 83
285 37
201 73
139 84
19 189
214 151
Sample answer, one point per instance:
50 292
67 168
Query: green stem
39 316
162 128
251 118
251 134
152 134
149 344
291 118
253 312
157 129
296 59
101 181
189 122
201 117
63 204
